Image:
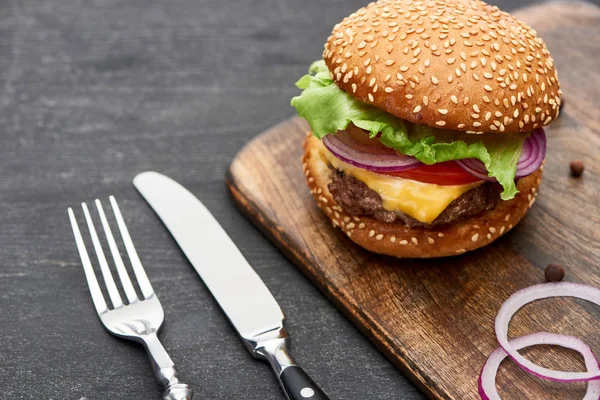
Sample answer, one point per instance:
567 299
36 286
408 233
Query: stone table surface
93 92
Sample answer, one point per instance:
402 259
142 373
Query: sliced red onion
345 137
487 379
368 157
536 148
533 154
533 293
475 168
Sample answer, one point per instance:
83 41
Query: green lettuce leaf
328 109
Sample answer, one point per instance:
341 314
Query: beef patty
357 199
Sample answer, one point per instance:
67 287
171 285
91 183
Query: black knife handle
297 385
272 346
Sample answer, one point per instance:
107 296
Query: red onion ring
372 158
528 295
475 168
537 141
533 154
487 379
345 137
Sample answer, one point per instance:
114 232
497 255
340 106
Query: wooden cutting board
435 318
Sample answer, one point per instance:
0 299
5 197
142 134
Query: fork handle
165 371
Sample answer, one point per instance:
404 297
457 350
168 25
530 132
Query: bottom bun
396 239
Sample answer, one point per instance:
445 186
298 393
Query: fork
140 319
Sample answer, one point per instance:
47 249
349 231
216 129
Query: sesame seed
430 240
451 60
492 229
372 82
389 62
393 239
403 242
414 240
487 88
371 233
425 100
434 80
475 237
440 234
371 99
389 90
440 123
361 225
379 237
354 88
416 109
443 111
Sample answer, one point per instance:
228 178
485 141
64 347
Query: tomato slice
445 173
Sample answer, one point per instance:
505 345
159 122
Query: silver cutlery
247 302
138 320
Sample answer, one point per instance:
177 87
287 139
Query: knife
243 296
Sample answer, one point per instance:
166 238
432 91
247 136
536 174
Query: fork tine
97 296
138 269
113 293
125 281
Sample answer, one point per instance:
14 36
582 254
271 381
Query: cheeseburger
426 125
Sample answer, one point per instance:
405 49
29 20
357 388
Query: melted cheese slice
422 201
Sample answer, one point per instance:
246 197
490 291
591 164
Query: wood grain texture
434 318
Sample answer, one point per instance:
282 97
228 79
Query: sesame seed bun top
454 64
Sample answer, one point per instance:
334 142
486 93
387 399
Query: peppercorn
577 168
554 273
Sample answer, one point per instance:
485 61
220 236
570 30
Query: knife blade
243 296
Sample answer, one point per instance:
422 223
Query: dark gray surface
93 92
